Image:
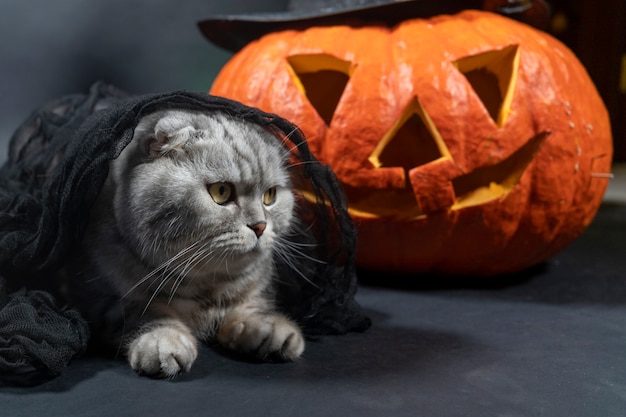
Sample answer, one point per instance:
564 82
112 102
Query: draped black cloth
58 161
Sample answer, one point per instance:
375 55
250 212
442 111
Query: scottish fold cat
180 244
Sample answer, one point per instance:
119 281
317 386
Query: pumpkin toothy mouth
492 182
478 187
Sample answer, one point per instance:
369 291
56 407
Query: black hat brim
233 32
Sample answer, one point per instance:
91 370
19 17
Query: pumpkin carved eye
322 78
493 76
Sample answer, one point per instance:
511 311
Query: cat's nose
258 228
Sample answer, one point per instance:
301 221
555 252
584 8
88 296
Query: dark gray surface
548 343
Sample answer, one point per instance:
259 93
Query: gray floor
548 343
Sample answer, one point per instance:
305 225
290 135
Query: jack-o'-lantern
467 143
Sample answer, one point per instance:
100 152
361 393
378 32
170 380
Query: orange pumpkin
467 144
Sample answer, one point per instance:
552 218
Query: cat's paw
269 337
163 351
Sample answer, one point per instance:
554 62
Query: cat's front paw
164 350
269 337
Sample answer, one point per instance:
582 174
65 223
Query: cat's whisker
154 295
94 279
206 260
163 282
176 285
202 255
182 269
293 247
149 246
301 244
141 282
299 231
287 140
289 261
300 163
225 261
291 132
300 127
167 278
161 268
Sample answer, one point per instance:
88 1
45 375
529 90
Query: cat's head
210 191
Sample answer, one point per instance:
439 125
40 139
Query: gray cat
184 234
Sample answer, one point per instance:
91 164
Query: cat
180 244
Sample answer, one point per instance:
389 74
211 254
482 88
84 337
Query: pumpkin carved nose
258 228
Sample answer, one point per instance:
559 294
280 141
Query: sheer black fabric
58 162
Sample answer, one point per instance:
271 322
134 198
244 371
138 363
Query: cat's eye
221 192
269 196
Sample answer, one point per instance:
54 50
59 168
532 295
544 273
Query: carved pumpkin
467 144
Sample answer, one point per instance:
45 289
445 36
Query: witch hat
233 32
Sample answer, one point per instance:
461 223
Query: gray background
49 48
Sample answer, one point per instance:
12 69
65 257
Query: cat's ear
158 145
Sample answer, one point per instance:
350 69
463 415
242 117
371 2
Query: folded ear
158 144
163 133
162 142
